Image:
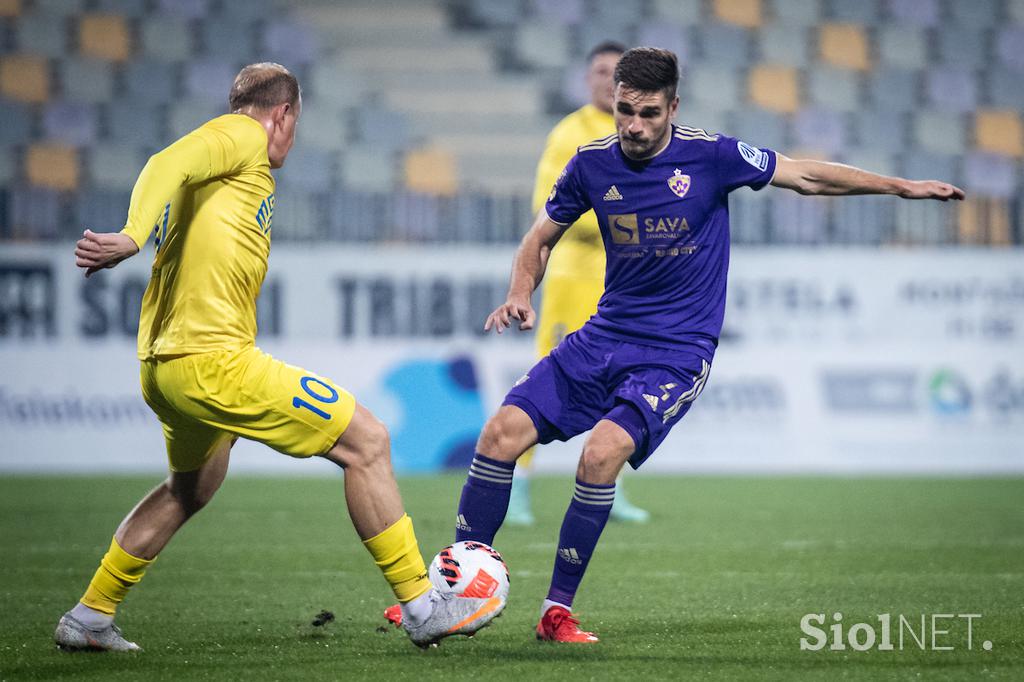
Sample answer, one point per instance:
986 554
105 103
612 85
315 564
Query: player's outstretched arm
98 250
819 177
527 272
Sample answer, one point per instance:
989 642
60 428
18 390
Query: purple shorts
590 377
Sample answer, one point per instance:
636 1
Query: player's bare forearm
99 250
823 178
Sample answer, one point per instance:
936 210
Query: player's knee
190 498
598 465
498 439
365 444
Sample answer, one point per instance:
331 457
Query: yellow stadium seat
104 36
431 171
25 78
999 131
10 8
52 165
984 220
845 46
740 12
775 88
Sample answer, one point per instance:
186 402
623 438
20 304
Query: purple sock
484 499
584 520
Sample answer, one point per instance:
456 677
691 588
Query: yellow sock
118 571
525 460
398 555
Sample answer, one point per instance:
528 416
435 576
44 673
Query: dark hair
263 86
649 69
607 47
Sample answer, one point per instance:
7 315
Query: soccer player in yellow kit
575 272
208 201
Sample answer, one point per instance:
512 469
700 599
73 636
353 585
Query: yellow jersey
208 200
580 252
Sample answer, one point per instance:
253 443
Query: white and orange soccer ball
470 569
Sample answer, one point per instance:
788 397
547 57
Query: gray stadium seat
951 89
381 128
860 220
114 166
559 11
75 123
684 13
324 123
8 165
496 12
543 44
1015 10
333 82
17 123
902 46
876 160
187 115
833 88
914 12
617 11
191 9
367 168
166 37
128 8
892 89
939 132
991 175
209 79
289 43
798 220
228 39
60 8
797 12
1003 88
713 86
925 165
151 81
100 210
34 212
820 130
308 168
784 44
138 123
864 12
245 10
593 32
86 80
300 215
880 129
1010 47
42 34
759 127
670 36
964 48
712 120
976 14
725 45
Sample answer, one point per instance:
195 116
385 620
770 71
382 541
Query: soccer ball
470 569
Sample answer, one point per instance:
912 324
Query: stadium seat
593 31
245 10
992 175
902 47
775 87
289 43
209 79
668 35
1015 9
616 11
783 44
381 128
683 13
977 14
861 220
820 130
541 44
10 8
893 89
17 123
8 167
35 212
309 168
796 12
963 48
939 132
125 8
834 88
712 120
725 45
100 209
746 13
865 12
53 166
496 12
72 123
714 87
1010 47
59 8
188 114
798 220
104 36
983 219
914 12
880 129
951 89
1003 89
229 40
844 46
324 123
151 81
115 167
431 170
925 165
367 168
999 132
137 123
875 160
86 80
166 37
190 9
335 83
568 12
759 127
41 34
25 78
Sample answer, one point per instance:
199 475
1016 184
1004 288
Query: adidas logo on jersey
462 524
612 194
569 554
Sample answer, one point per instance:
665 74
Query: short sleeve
743 165
568 199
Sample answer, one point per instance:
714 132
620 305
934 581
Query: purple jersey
665 226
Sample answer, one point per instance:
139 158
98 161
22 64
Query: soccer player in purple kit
632 371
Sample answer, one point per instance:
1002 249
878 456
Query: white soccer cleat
452 615
72 635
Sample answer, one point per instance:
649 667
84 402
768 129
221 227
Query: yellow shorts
205 399
565 304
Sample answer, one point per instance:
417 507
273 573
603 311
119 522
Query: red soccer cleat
394 615
559 625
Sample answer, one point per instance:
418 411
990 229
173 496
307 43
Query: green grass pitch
714 587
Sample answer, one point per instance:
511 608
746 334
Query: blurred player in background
208 199
575 274
660 192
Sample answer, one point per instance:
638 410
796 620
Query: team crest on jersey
679 183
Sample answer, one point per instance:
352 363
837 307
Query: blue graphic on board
442 414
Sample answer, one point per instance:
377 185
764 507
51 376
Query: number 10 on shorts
316 393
